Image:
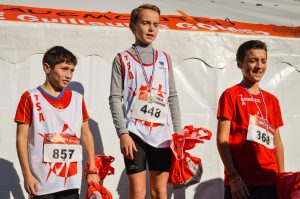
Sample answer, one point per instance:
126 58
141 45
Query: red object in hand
103 167
185 168
288 185
97 191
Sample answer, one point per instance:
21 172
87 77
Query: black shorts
158 159
256 192
67 194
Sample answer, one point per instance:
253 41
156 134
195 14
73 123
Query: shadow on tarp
122 189
176 193
9 181
211 189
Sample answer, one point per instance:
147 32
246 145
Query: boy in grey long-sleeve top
144 106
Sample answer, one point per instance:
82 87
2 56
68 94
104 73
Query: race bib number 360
257 132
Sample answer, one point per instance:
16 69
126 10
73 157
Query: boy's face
254 65
146 27
60 76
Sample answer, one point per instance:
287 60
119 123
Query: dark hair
57 55
135 13
248 45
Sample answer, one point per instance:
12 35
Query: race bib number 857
62 153
62 148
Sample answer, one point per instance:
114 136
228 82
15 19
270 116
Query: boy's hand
31 185
239 189
127 146
93 178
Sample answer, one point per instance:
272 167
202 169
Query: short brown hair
135 13
57 55
248 45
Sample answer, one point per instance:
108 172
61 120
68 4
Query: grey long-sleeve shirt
116 90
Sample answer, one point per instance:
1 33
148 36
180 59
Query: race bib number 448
150 112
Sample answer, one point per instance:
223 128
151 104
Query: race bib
150 108
257 132
62 148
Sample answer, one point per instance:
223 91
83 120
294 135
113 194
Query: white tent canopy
203 67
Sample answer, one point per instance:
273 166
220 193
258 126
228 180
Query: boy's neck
137 44
51 90
253 87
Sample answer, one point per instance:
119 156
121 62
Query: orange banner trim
182 22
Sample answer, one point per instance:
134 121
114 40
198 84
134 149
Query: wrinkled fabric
288 185
103 165
185 168
97 191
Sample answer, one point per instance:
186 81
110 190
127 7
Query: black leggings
158 159
256 192
67 194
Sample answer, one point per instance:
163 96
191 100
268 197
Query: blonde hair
135 13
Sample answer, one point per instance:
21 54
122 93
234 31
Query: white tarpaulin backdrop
204 65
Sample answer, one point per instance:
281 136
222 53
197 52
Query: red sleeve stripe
167 61
23 113
27 103
122 66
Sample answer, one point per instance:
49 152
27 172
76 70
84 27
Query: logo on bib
162 66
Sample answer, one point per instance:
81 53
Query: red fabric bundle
288 185
95 190
102 163
186 169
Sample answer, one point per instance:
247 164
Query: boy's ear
131 27
239 64
46 68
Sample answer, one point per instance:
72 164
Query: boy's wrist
233 176
93 171
123 133
27 173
